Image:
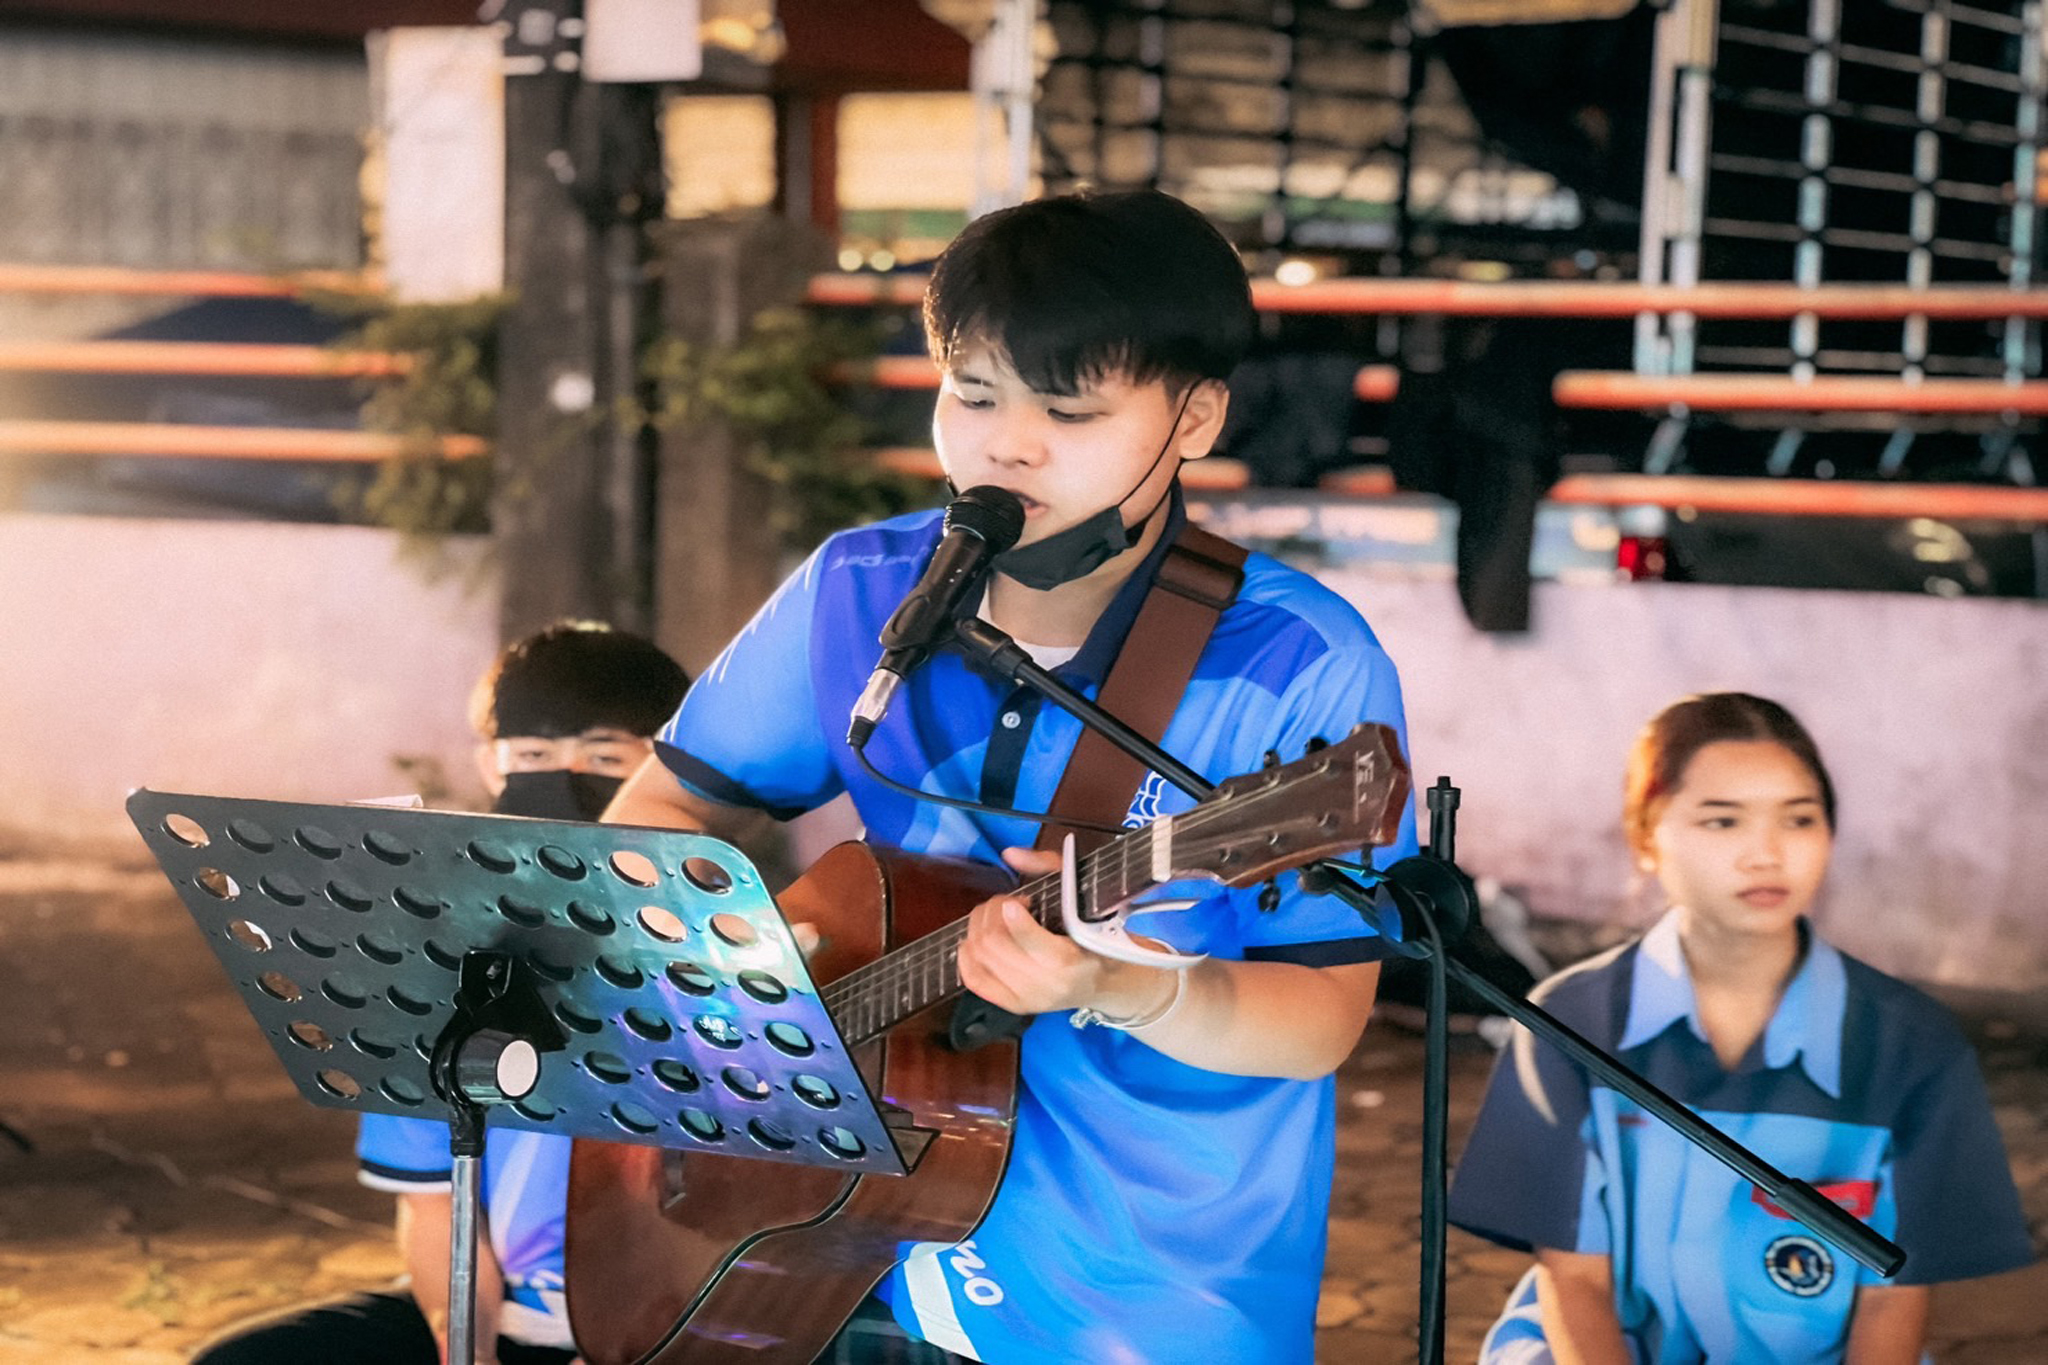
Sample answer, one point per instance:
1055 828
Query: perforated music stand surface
691 1017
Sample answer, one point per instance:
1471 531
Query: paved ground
177 1182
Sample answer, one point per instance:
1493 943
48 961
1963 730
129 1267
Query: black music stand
420 963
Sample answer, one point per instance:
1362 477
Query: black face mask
1087 545
557 794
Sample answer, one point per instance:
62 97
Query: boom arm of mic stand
1797 1198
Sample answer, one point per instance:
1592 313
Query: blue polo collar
1806 1028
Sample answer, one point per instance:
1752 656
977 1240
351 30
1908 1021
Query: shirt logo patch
1857 1197
1799 1265
1145 805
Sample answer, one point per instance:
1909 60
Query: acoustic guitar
708 1258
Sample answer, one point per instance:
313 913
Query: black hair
574 676
1666 746
1073 288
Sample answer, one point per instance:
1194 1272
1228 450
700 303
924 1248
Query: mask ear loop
1131 533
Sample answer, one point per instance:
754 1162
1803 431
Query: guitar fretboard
1254 827
873 999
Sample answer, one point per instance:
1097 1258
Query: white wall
1930 713
231 658
296 662
438 164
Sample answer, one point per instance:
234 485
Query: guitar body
675 1257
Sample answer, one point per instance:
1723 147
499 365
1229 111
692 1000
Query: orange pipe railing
98 279
1373 384
1621 389
240 359
1806 497
1772 497
1558 298
221 443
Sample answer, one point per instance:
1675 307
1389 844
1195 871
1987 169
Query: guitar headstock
1348 795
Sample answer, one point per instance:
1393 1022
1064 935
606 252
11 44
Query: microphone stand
1434 902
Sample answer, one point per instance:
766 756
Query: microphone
980 524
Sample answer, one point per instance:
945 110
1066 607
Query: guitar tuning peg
1269 897
1271 760
1315 743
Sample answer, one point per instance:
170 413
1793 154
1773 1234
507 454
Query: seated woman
1649 1250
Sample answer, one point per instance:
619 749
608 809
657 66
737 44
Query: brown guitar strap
1197 579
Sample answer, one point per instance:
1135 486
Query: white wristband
1087 1014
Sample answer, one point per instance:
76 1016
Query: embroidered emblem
1799 1265
1145 805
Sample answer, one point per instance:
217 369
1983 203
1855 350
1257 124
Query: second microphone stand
1432 901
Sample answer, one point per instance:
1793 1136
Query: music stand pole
488 1053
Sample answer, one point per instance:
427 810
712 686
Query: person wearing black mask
562 716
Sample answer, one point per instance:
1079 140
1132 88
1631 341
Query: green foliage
449 388
775 390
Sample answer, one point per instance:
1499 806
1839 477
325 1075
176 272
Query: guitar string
930 961
882 986
882 994
886 982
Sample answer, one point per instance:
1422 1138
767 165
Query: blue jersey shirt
1861 1086
525 1190
1151 1211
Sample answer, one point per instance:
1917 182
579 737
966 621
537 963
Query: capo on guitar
1106 936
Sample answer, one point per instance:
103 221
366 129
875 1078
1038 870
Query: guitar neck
873 999
1335 797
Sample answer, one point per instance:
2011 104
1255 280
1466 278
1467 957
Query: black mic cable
980 524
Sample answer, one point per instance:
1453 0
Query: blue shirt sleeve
1529 1177
748 732
1338 691
1959 1214
402 1154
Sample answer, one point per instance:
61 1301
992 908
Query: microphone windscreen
994 514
